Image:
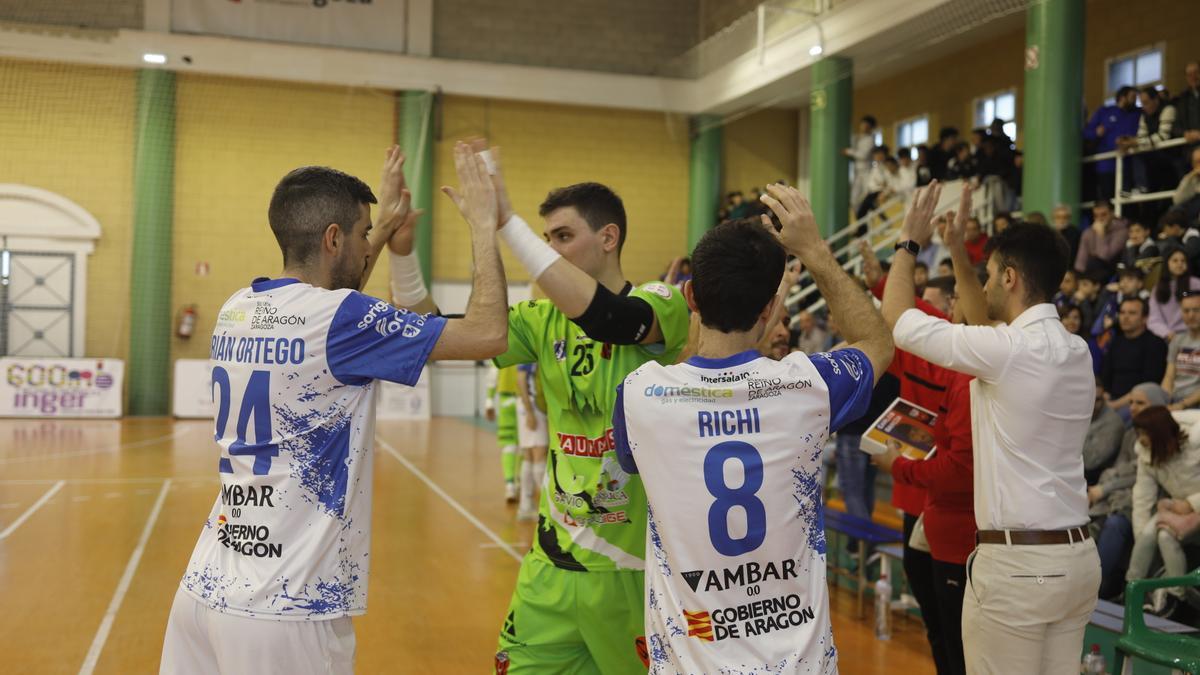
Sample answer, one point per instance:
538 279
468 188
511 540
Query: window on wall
878 138
1139 68
1001 105
912 132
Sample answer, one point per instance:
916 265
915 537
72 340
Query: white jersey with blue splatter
729 451
293 378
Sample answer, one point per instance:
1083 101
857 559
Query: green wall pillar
416 139
704 177
828 168
150 281
1053 122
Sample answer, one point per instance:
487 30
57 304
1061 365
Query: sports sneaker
510 491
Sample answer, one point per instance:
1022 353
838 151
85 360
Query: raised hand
918 222
954 228
395 201
872 269
503 203
476 196
401 241
798 234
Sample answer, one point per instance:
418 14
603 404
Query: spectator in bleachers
1072 319
963 165
882 183
945 267
1168 463
1037 218
1175 231
1108 124
976 240
1067 289
1061 217
1153 170
1187 193
813 339
920 276
1103 438
1166 317
906 181
1089 297
1130 284
924 174
1104 240
1000 222
861 147
1110 499
1187 104
1140 249
1134 355
1182 379
940 154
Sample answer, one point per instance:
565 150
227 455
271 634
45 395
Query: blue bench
866 532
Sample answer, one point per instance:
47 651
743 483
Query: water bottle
883 609
1093 662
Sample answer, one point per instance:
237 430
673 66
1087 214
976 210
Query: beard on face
348 276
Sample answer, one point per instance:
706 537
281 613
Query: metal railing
882 234
1120 196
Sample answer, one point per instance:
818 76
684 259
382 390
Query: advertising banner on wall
48 387
357 24
193 395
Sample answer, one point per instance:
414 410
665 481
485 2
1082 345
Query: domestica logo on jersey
753 618
668 394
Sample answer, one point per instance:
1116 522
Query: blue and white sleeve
370 339
621 433
850 378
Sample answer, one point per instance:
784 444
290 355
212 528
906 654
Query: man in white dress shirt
1033 578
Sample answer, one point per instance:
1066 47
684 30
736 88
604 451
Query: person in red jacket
924 384
975 240
949 511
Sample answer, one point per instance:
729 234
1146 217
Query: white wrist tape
534 254
486 156
408 286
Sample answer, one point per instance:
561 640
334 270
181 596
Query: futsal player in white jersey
282 560
728 445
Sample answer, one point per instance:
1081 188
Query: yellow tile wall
759 149
235 139
69 129
642 156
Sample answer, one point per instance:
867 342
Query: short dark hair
1150 91
596 203
1102 204
870 119
1138 299
1174 217
1038 253
944 283
736 269
1124 91
306 202
947 132
922 265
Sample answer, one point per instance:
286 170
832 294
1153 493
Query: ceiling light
815 50
154 58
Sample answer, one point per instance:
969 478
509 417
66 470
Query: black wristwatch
909 245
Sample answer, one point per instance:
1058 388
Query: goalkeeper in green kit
578 606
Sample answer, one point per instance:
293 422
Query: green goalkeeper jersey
592 515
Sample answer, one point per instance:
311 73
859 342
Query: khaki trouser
1026 607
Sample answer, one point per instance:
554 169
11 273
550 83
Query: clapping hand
476 196
798 232
953 229
503 203
872 269
395 201
918 222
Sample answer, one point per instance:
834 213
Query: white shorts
527 438
202 640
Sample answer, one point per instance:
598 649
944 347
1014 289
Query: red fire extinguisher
187 322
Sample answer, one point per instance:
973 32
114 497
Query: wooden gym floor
98 519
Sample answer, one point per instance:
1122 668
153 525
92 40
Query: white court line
30 511
93 655
489 544
83 453
500 543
